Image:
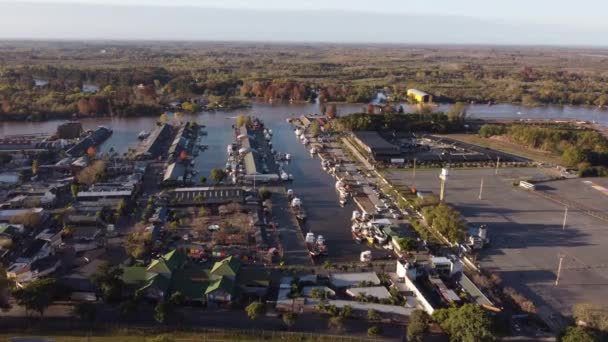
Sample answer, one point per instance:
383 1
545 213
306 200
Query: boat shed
376 145
419 96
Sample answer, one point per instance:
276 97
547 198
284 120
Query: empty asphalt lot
526 232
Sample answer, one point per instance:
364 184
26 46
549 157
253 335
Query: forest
583 149
40 80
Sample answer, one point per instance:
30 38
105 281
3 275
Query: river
311 184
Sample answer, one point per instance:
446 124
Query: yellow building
419 96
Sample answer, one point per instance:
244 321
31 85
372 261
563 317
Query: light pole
565 218
443 177
497 164
481 188
559 269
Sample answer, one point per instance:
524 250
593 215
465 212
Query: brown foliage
524 304
92 173
30 220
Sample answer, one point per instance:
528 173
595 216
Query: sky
546 22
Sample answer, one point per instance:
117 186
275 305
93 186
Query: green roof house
168 263
221 290
228 267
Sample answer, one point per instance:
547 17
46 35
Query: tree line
584 149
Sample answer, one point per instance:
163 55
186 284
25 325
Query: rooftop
379 292
353 279
375 141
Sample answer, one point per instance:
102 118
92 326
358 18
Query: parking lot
526 232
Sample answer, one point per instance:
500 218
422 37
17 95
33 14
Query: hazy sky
553 22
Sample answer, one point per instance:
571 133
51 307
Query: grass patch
507 147
151 335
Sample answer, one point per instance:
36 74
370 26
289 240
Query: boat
290 194
313 151
287 156
143 135
290 177
343 201
341 187
284 175
356 215
316 246
366 256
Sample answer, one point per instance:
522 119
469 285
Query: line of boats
315 244
366 229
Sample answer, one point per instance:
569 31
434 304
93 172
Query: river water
311 184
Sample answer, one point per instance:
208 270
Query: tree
92 173
85 311
164 118
35 166
177 298
374 330
418 326
30 220
203 180
243 120
162 338
255 310
108 280
591 315
217 175
457 112
265 194
289 319
373 315
577 334
336 323
74 189
469 323
572 156
37 295
327 265
161 312
347 312
314 129
407 244
332 111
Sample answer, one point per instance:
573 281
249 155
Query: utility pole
565 218
559 269
497 164
481 188
443 177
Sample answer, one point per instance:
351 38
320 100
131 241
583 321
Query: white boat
296 202
143 135
284 175
313 151
310 238
298 132
356 215
343 201
320 240
290 177
290 194
366 256
287 156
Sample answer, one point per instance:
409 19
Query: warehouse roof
374 140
